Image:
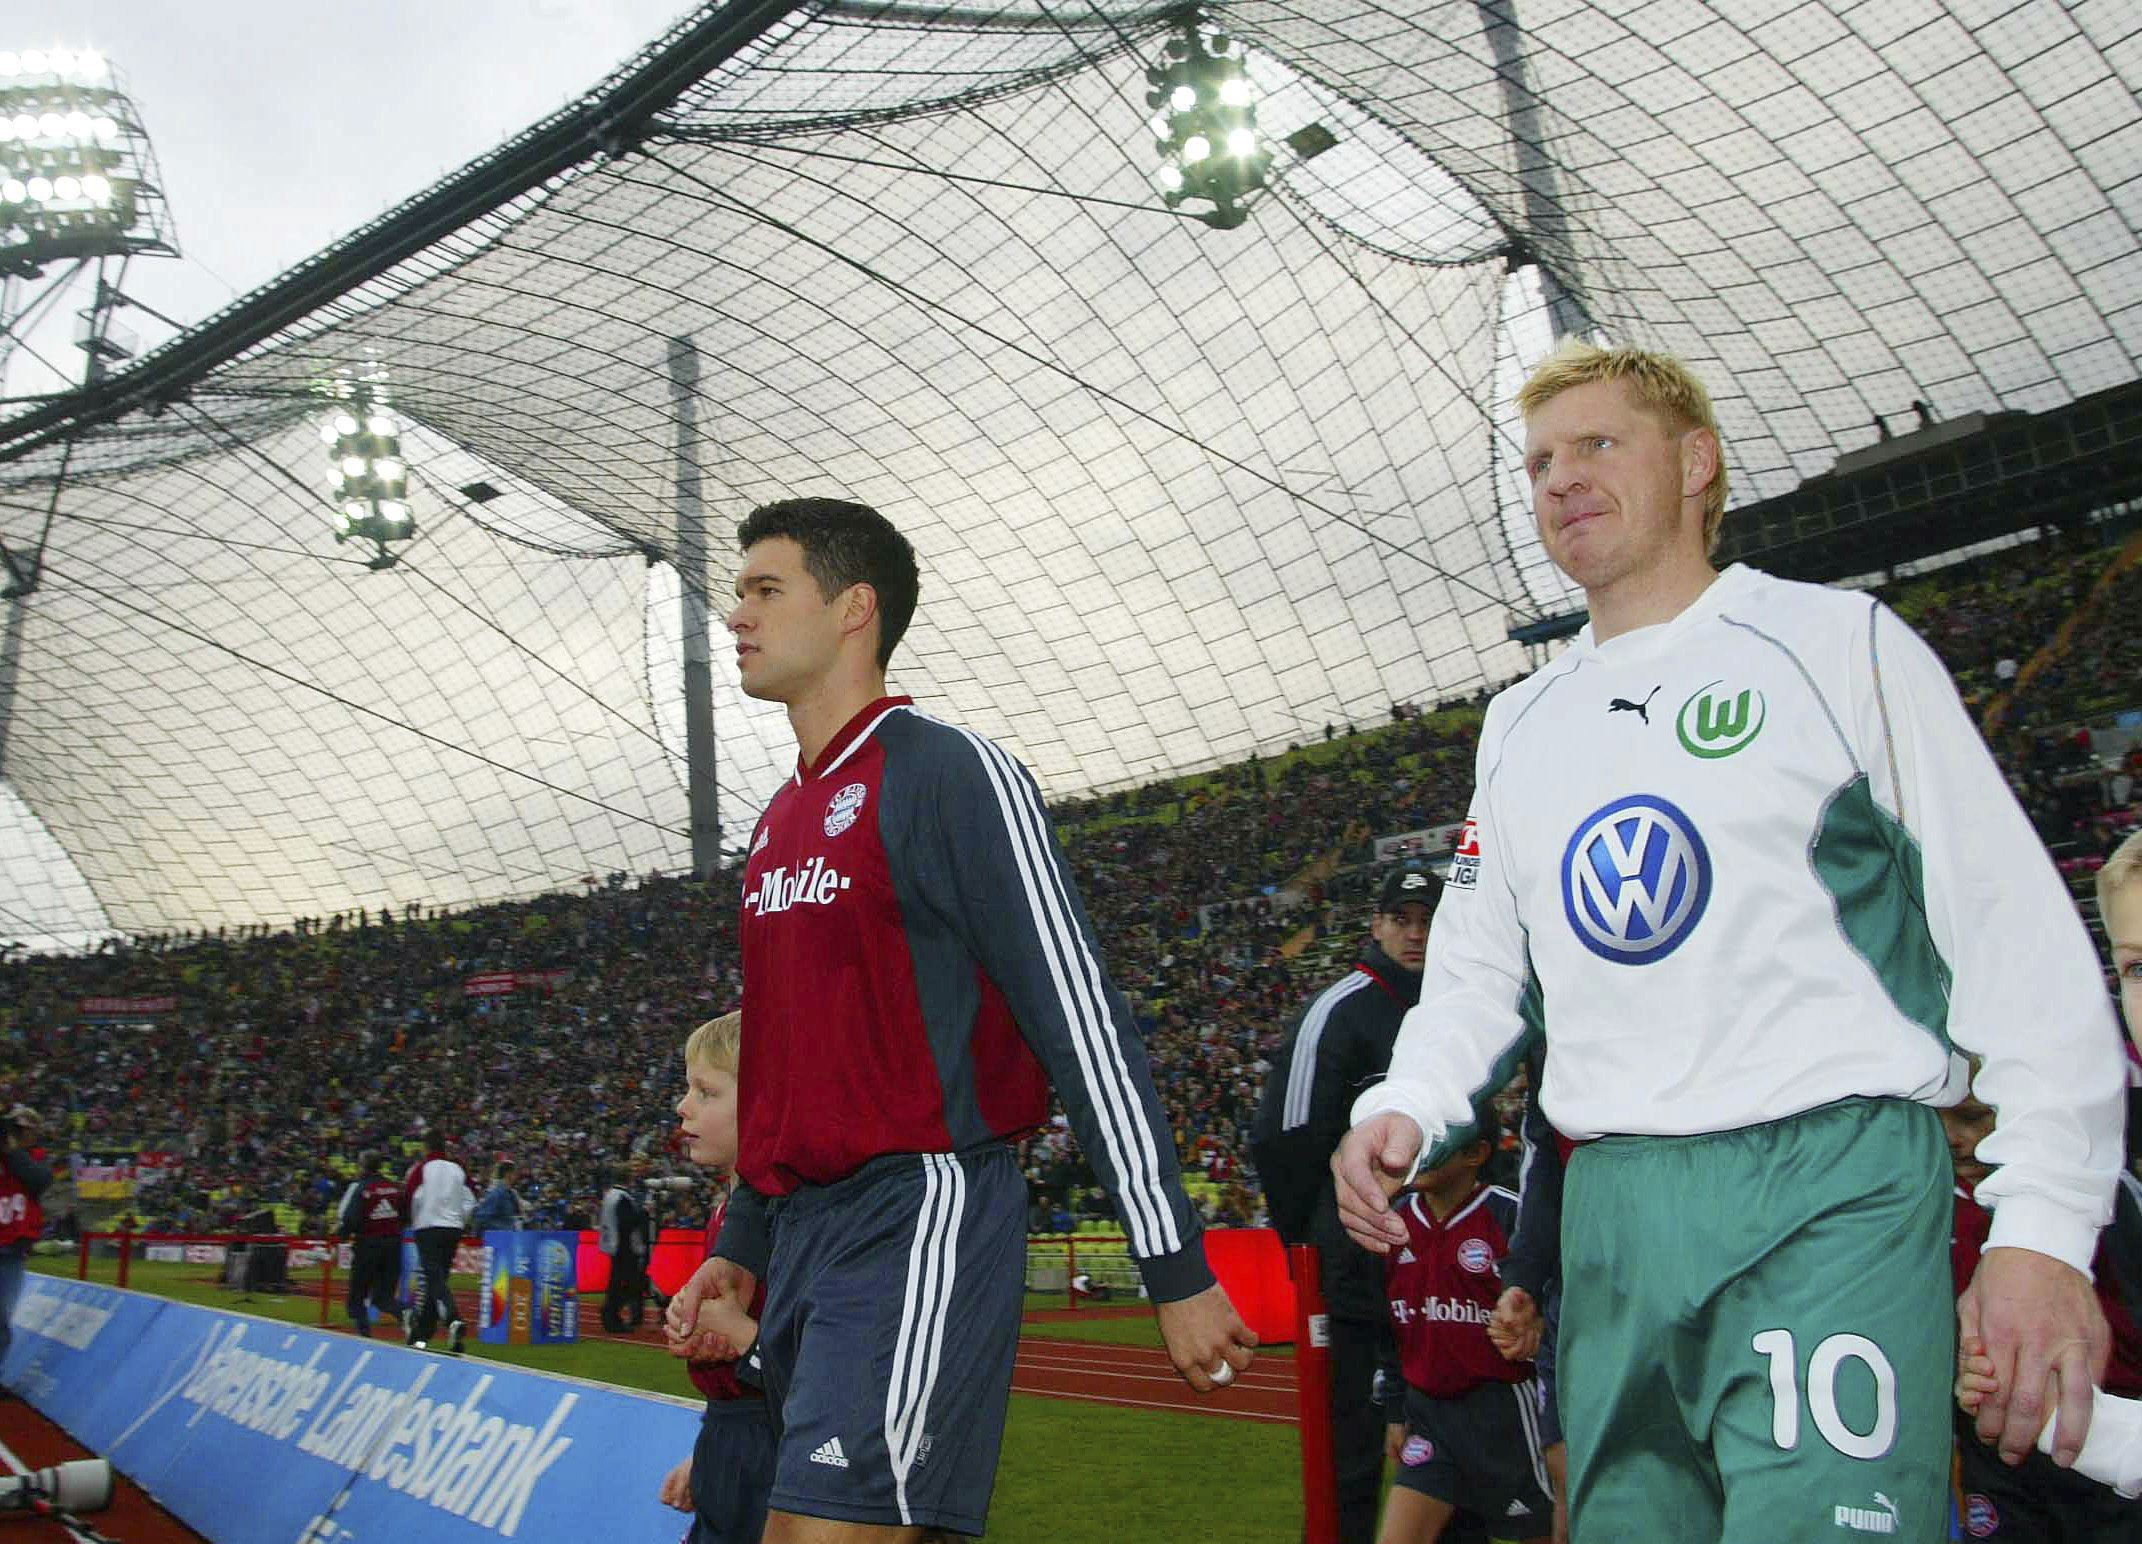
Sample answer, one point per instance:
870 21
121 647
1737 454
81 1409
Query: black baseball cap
1406 884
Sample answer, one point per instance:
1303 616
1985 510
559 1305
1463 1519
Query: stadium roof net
1178 492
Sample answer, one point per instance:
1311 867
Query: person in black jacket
1340 1045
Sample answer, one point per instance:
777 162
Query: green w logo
1714 724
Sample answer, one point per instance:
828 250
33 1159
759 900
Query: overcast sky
279 126
282 124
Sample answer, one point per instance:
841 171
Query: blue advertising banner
256 1432
531 1291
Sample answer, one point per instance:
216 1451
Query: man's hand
1207 1340
715 1278
2040 1325
677 1487
1514 1327
1370 1165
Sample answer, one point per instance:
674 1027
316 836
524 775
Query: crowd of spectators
1219 899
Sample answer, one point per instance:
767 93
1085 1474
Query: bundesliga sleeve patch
1465 858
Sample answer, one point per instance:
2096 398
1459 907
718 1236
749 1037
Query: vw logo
1635 879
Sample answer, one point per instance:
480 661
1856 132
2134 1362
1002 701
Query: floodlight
14 190
90 184
1210 105
9 64
370 477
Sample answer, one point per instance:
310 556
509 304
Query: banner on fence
255 1432
531 1292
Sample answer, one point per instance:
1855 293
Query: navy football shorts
732 1471
892 1316
1480 1451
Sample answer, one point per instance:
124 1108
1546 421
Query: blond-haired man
1743 862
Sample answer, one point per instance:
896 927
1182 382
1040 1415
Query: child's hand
1394 1438
1514 1328
677 1487
716 1281
1974 1374
724 1319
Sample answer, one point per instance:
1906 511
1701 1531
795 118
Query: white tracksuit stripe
1301 1073
1147 1217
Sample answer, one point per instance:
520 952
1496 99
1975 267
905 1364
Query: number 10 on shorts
1822 1368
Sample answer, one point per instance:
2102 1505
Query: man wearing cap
1340 1045
22 1181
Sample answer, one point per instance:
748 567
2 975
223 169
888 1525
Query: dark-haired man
918 968
371 1217
1340 1044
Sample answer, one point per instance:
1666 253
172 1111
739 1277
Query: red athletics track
1134 1377
132 1518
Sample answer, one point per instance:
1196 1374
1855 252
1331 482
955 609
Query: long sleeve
2024 988
1465 1037
1008 893
744 1238
1535 1257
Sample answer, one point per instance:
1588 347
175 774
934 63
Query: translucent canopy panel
1179 493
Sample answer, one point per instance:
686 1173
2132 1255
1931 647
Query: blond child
2112 1453
726 1481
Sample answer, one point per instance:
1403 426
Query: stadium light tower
1205 122
366 470
78 180
78 186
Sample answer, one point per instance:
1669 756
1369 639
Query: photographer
22 1180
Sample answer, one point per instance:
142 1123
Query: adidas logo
1518 1509
829 1452
1405 1257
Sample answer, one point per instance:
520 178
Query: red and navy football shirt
1442 1284
918 969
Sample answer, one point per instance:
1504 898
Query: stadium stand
1217 896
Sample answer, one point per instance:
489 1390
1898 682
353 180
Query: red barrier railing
127 1240
1312 1393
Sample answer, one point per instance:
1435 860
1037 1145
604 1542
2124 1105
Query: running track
1141 1377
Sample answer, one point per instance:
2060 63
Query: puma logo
1641 709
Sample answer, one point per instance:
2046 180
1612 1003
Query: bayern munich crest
847 805
1635 880
1417 1451
1476 1257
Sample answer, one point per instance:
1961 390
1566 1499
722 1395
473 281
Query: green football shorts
1759 1331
